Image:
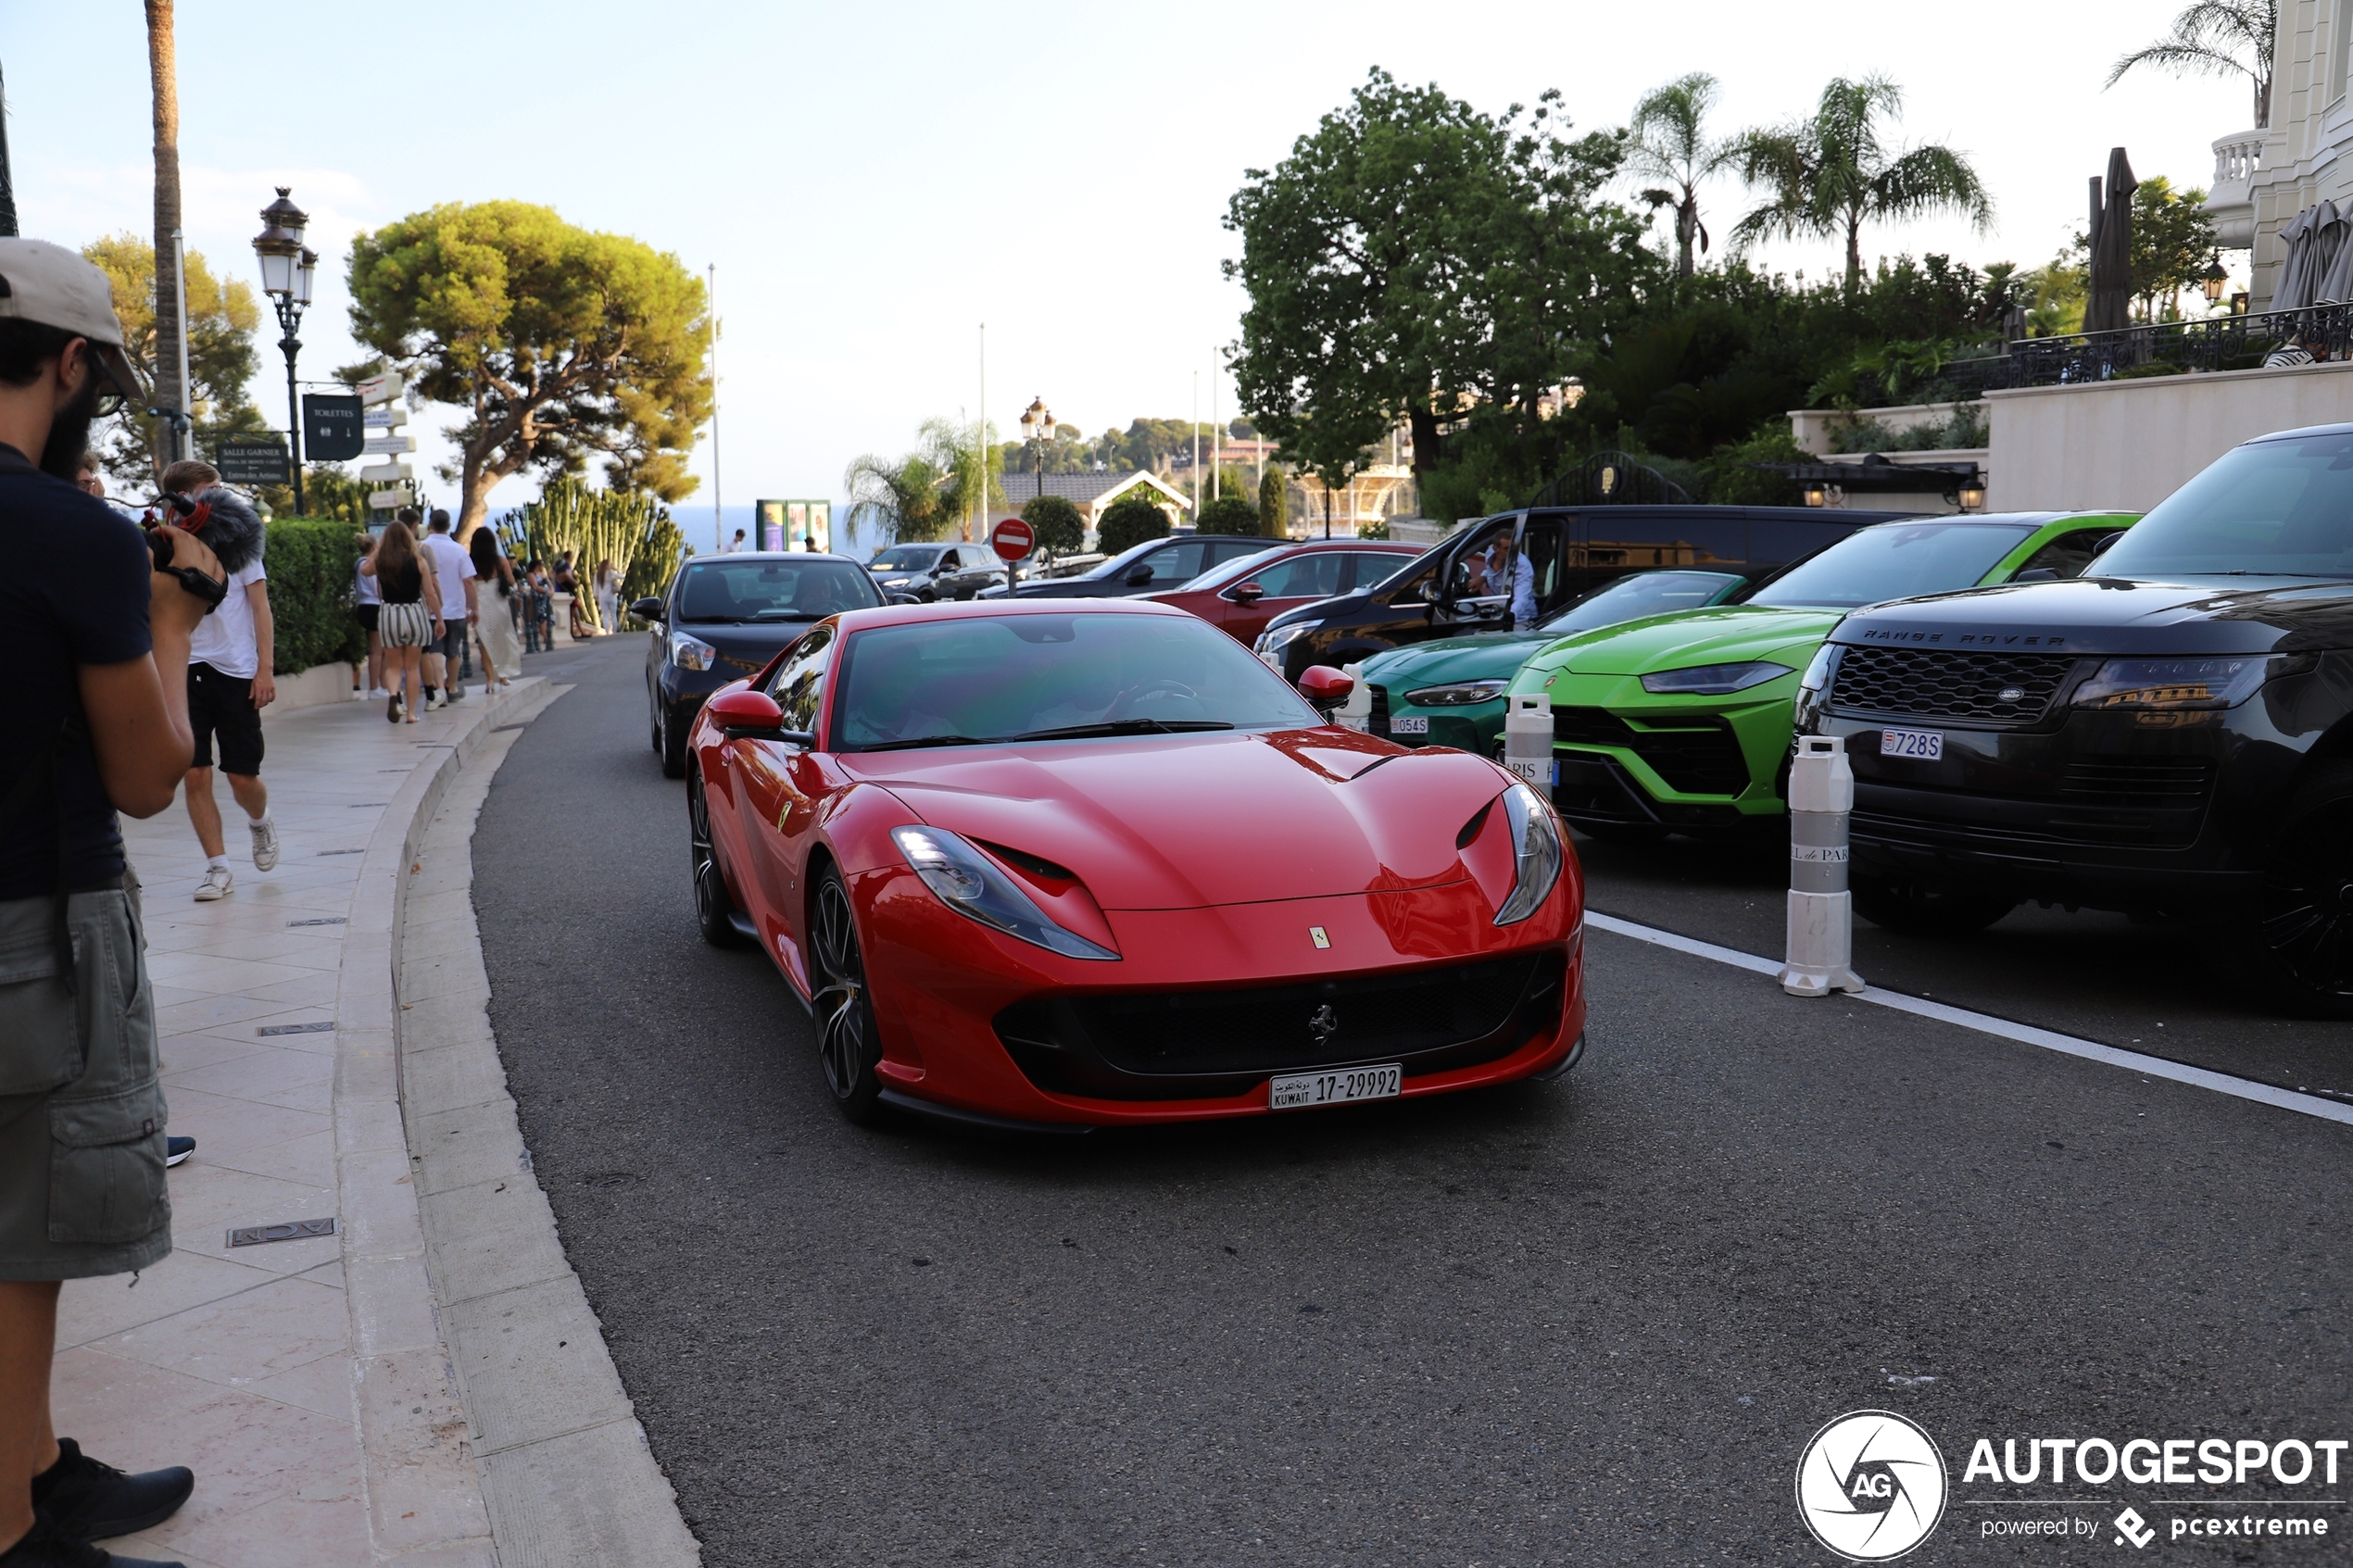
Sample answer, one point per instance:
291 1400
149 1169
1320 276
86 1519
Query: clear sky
875 180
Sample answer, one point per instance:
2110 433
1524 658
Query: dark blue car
725 618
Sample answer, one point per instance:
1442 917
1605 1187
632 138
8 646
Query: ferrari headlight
1270 645
970 884
1536 847
1459 695
2171 682
691 652
1713 680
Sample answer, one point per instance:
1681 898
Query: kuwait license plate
1305 1089
1927 745
1409 725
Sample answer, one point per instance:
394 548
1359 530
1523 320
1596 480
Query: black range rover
2170 733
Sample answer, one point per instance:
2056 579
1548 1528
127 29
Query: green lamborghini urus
1682 722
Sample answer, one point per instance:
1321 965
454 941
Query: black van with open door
1445 591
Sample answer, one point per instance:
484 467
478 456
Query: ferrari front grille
1183 1044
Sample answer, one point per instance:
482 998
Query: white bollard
1527 739
1356 713
1821 919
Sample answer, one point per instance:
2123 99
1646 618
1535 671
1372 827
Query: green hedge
1127 523
1228 514
310 562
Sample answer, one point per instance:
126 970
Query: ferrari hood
1485 656
1721 634
1170 822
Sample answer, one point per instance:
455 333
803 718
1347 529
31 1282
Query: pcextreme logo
1870 1486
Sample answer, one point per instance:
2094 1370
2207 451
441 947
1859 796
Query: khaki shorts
82 1112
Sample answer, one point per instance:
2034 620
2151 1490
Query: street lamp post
286 272
1037 428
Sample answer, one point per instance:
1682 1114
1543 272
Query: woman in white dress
495 622
608 597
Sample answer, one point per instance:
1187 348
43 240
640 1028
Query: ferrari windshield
1895 560
772 588
2270 508
1647 593
974 680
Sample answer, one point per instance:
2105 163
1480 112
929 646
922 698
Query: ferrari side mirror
1324 687
746 714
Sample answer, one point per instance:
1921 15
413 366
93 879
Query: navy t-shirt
73 591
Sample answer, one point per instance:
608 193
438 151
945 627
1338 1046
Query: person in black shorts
229 683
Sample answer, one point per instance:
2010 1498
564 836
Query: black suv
1151 567
1569 551
2171 733
935 571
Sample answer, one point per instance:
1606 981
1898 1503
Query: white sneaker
264 844
216 885
436 703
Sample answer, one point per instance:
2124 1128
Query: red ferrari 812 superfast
1065 865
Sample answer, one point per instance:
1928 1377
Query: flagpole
718 516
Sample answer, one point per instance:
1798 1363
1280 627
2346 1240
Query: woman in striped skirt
405 623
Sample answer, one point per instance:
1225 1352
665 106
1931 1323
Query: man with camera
95 629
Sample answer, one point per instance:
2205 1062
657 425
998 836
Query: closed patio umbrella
2331 264
2296 277
2109 308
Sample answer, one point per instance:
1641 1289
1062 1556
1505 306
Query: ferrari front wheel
846 1039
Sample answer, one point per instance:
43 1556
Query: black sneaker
176 1149
49 1545
90 1498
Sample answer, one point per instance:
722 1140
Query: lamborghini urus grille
1998 689
1696 755
1190 1044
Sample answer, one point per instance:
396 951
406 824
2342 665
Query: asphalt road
1593 1321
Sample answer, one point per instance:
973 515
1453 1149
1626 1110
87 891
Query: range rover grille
1998 689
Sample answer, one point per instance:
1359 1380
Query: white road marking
2025 1034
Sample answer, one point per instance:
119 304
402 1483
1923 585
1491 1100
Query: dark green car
1451 692
1683 722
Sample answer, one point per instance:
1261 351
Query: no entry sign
1012 540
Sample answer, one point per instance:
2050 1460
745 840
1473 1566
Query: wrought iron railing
2223 343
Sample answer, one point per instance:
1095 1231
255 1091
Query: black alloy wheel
714 909
671 745
847 1042
1928 909
2298 945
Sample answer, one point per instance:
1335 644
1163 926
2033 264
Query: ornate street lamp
2216 279
1037 429
287 270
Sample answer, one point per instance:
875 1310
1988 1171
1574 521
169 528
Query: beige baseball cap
48 284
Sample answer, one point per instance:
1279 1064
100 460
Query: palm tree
896 500
1830 174
1668 144
2215 38
163 78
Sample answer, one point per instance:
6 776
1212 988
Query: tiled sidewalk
240 1361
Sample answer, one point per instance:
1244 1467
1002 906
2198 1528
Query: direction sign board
387 473
331 426
1013 539
392 416
391 444
254 460
381 389
385 500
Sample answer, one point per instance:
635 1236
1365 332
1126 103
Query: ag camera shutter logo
1871 1485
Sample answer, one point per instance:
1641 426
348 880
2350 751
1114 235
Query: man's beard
69 432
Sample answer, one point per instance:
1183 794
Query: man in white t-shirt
454 569
229 684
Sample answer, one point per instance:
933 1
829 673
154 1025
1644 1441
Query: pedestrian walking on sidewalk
539 615
495 621
608 597
567 582
455 571
95 640
405 579
230 681
365 603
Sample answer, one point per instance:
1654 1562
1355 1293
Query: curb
563 1470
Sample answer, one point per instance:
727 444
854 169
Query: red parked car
1242 596
1063 864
